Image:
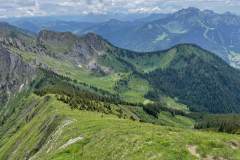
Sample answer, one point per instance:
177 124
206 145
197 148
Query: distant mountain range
218 33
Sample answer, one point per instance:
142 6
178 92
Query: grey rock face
14 74
82 51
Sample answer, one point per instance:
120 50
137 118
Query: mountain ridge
94 56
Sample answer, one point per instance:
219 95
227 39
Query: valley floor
53 131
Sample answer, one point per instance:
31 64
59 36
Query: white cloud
145 10
59 7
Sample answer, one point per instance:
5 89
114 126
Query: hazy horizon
34 8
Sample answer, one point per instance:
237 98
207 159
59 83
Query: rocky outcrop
82 51
15 74
11 36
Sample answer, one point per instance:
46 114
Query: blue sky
19 8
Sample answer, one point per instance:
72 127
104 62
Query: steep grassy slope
57 132
50 127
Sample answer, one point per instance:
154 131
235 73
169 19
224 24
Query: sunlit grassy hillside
52 130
